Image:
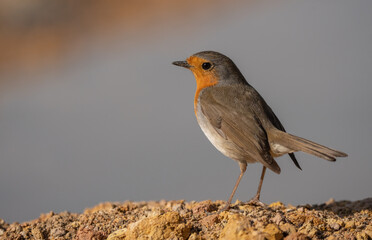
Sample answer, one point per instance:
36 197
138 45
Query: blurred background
92 110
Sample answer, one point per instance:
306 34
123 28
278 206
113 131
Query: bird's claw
256 201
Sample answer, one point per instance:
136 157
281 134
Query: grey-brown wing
275 121
237 123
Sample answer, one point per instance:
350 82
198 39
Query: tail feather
294 159
295 143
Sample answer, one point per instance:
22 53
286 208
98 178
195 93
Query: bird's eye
206 65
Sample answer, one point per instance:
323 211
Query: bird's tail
295 143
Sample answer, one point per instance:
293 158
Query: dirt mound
199 220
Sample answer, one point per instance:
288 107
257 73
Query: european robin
238 121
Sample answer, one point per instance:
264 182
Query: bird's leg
243 167
256 198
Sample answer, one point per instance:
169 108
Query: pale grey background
117 123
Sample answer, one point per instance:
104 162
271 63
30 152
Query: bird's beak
182 64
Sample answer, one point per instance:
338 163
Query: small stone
204 207
24 234
210 220
177 207
75 224
361 226
237 228
68 235
273 231
330 201
45 216
301 209
167 226
297 219
277 219
276 205
89 233
368 231
362 236
100 207
332 237
335 226
287 228
193 236
342 224
37 233
297 236
57 232
306 228
312 232
118 234
350 224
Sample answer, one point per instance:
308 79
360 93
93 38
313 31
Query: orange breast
203 78
201 83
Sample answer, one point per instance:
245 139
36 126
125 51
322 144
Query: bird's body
218 111
237 120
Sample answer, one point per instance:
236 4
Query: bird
239 123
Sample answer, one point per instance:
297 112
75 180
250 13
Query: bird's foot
229 208
256 201
225 208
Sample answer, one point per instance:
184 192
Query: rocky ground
198 220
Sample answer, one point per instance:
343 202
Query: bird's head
212 68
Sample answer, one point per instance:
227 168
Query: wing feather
276 122
238 123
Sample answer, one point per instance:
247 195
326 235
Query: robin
238 121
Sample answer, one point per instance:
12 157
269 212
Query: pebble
350 224
335 226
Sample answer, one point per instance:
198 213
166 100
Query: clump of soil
201 220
